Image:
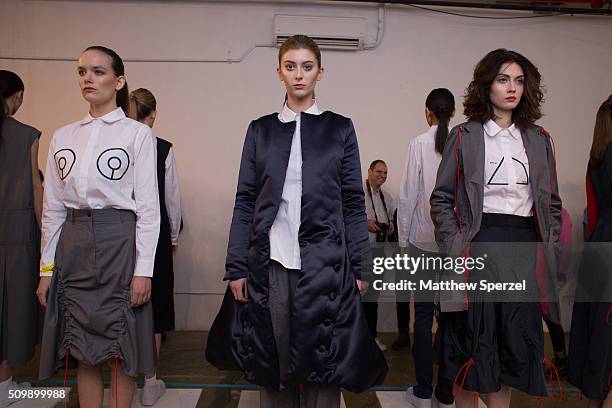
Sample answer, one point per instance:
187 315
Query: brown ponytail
142 103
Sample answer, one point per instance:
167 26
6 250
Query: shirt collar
492 129
110 117
287 115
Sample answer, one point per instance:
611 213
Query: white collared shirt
105 162
374 208
284 244
172 196
506 184
414 212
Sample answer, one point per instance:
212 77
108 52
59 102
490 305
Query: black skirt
494 342
162 284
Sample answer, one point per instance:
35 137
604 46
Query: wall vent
339 33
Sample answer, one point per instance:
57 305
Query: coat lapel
535 150
473 148
473 154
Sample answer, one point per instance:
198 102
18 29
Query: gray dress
19 244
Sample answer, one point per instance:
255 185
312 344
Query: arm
353 203
53 213
237 262
52 220
37 189
146 196
409 194
443 195
172 197
391 207
372 226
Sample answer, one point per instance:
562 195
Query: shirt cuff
144 267
47 270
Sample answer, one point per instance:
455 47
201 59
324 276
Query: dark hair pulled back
441 103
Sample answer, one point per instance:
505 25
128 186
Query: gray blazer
457 198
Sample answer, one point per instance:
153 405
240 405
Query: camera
381 236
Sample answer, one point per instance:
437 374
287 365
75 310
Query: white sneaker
416 402
4 399
437 404
381 346
151 393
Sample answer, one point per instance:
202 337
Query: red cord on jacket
465 366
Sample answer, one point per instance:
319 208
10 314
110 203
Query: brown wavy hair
477 104
602 134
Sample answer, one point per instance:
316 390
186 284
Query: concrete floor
182 365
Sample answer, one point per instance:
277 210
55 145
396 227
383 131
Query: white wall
205 107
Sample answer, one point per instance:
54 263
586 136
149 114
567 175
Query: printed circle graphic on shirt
64 161
113 163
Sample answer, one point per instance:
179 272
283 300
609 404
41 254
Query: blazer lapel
473 154
473 148
536 151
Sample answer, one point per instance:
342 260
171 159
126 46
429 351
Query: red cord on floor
552 367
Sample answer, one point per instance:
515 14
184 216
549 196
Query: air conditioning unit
339 33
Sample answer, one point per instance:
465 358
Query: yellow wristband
48 268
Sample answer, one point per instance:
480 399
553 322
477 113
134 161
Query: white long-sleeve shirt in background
418 181
172 197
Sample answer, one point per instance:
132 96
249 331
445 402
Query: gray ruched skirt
88 316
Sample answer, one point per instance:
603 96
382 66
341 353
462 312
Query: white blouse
172 197
284 244
414 214
105 162
507 187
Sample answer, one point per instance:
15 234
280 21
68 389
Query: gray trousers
282 284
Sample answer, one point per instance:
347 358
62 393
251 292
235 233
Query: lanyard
382 198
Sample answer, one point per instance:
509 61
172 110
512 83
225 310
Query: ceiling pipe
535 5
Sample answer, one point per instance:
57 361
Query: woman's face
98 82
507 88
300 71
